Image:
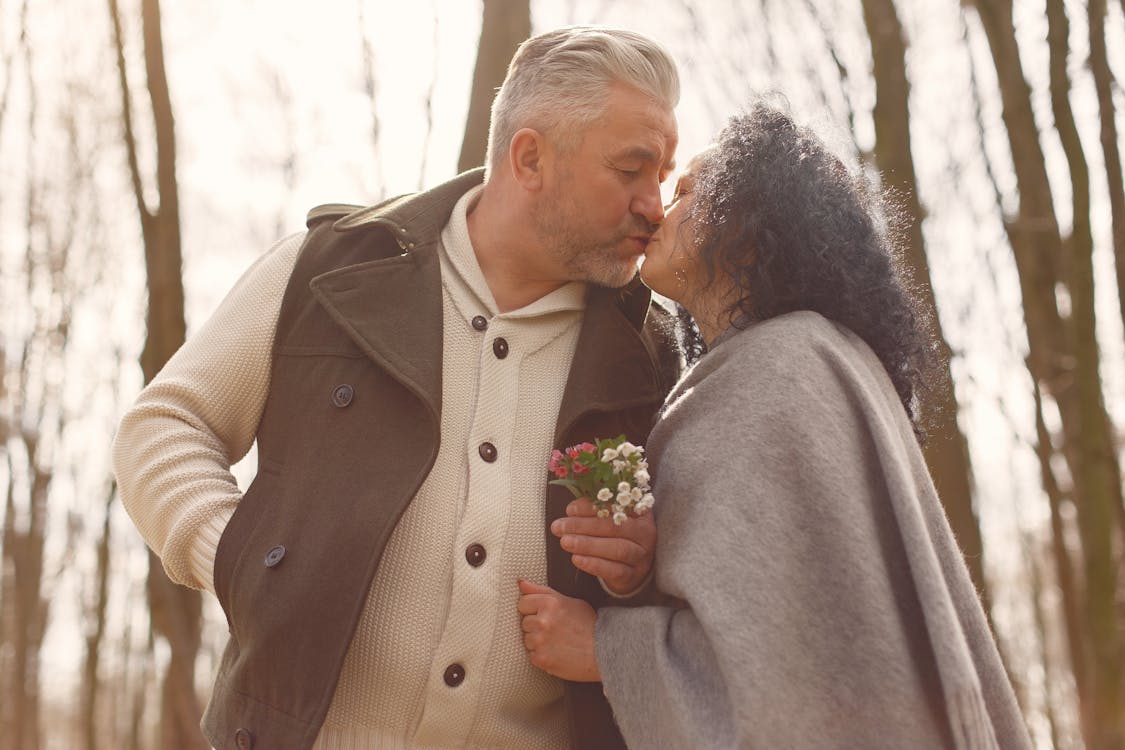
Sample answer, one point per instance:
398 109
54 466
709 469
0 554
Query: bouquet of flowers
613 473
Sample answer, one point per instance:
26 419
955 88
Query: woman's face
671 258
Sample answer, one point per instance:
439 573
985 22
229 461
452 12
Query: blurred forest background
148 154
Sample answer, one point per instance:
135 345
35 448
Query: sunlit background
280 106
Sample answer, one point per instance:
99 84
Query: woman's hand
558 633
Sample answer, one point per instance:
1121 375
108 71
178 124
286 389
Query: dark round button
243 739
454 675
475 554
273 557
342 395
500 348
487 452
480 322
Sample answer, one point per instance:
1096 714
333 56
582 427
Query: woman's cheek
656 274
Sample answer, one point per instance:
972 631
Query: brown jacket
351 427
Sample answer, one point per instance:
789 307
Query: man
406 370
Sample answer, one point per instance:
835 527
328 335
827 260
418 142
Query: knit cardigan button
454 675
500 348
487 451
475 554
480 323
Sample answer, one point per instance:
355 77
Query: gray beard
585 261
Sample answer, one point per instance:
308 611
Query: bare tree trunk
1063 358
1077 654
23 563
1100 482
504 25
946 449
11 677
176 611
1031 559
33 421
88 714
1103 84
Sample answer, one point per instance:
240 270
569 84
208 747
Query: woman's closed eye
676 198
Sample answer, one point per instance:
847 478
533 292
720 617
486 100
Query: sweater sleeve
174 448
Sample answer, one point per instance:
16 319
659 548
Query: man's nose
649 204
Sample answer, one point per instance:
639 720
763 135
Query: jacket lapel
613 368
402 331
391 307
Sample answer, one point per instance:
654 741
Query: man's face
603 202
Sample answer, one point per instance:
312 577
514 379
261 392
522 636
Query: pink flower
556 461
560 471
572 453
587 448
580 469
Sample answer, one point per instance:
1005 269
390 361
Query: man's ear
527 152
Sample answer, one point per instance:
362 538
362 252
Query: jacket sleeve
174 448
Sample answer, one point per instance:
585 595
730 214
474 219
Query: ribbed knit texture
428 608
174 448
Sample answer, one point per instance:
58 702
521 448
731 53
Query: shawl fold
818 596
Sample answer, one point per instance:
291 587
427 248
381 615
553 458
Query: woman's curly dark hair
786 221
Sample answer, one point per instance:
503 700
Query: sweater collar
462 274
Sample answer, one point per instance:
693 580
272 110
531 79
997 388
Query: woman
820 598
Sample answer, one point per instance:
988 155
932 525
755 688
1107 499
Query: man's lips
641 241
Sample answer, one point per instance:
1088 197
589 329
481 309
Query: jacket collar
392 308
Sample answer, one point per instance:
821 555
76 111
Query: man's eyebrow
644 153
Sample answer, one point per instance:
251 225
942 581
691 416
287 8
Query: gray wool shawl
817 596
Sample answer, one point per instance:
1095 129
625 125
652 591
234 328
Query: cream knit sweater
428 607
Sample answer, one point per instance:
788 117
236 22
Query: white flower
647 501
641 477
623 487
603 513
620 466
619 518
625 499
609 455
636 494
604 494
627 449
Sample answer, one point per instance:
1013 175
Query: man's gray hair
558 83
